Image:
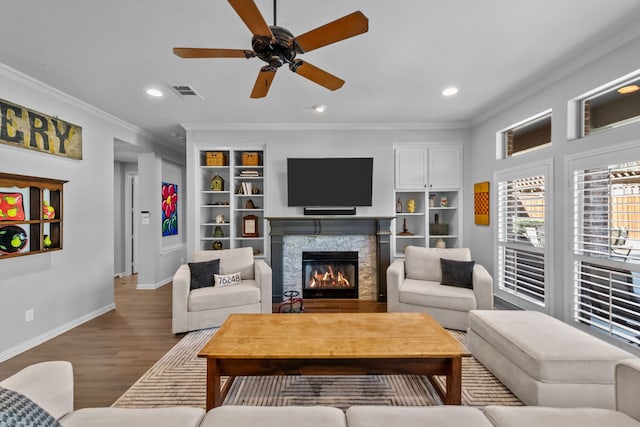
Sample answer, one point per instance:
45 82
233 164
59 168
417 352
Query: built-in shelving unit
429 175
31 215
238 194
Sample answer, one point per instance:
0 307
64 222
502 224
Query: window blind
521 238
606 262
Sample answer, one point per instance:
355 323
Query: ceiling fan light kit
278 46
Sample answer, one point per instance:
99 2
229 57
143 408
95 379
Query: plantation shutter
606 264
521 237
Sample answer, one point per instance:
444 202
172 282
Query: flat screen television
330 182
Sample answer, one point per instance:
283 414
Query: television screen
340 182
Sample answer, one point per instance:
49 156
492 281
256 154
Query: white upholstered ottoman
544 361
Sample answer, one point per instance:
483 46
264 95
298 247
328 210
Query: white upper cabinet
433 167
444 168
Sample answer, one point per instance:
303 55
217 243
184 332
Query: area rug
179 378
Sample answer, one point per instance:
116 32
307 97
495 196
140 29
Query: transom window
529 135
615 106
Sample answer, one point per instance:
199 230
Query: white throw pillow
227 279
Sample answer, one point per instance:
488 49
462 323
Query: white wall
67 287
481 160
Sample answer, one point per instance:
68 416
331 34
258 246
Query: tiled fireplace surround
369 236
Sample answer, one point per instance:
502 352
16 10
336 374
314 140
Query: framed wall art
481 202
169 209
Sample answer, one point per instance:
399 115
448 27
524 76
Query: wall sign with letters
25 128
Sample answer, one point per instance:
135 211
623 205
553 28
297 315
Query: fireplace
330 274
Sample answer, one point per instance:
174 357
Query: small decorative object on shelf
220 219
11 208
437 228
48 212
250 226
12 239
216 158
405 232
432 199
440 244
411 205
216 245
46 242
444 202
250 159
217 232
249 204
217 183
399 206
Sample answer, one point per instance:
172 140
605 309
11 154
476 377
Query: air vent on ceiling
186 91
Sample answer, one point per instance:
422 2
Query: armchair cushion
212 298
203 273
221 280
432 294
457 273
17 410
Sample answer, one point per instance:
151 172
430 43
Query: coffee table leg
453 395
213 383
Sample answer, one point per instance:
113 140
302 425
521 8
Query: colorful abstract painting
169 209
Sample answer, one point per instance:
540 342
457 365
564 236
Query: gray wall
482 163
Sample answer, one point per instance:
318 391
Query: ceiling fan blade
193 52
316 75
252 18
263 82
340 29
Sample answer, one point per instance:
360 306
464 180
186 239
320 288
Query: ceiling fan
277 46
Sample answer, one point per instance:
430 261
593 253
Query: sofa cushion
546 348
216 297
536 416
203 273
457 273
424 263
274 416
433 294
121 417
383 416
17 410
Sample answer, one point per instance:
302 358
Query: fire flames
328 279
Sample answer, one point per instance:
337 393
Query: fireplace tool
293 304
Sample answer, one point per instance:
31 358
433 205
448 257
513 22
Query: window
522 225
529 135
615 106
606 249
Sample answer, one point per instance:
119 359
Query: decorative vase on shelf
217 232
432 201
48 212
399 206
46 242
411 205
441 244
444 202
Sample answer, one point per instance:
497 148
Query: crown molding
323 126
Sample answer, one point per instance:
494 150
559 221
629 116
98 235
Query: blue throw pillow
202 273
17 410
457 273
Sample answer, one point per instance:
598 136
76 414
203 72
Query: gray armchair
209 306
413 284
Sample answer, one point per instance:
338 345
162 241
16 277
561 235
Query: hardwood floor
111 352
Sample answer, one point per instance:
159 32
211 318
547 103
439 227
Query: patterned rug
179 378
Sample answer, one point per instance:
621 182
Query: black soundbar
329 211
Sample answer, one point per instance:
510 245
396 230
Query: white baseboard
148 287
8 354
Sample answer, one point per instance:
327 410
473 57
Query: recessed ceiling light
154 92
628 89
450 91
320 108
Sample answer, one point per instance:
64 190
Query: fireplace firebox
330 274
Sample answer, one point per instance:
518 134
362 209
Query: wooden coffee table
332 344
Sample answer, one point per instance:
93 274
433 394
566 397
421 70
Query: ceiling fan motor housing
276 51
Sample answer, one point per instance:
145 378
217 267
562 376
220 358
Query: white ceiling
107 53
